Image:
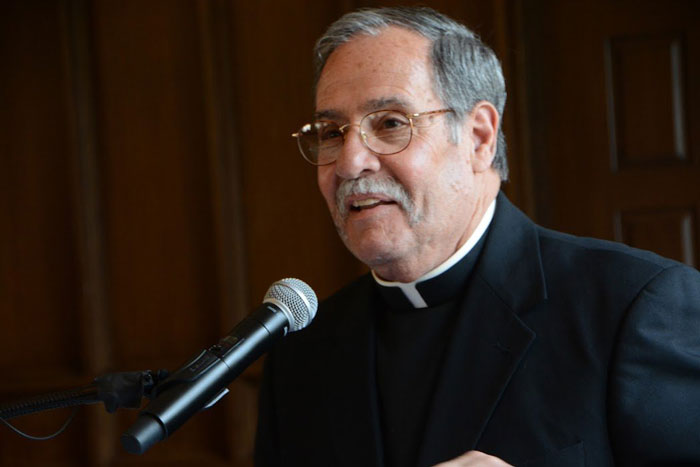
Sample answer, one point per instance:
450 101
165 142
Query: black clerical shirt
410 347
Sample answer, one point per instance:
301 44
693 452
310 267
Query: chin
374 244
372 253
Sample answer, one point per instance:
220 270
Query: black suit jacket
566 351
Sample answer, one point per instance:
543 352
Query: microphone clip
126 390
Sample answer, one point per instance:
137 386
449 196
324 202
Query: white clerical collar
409 288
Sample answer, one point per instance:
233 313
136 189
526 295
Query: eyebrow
372 105
384 103
327 115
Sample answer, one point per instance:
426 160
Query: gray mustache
367 186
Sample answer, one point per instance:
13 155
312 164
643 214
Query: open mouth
368 203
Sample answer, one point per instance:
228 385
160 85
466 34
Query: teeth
365 202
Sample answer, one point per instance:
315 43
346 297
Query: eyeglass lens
383 132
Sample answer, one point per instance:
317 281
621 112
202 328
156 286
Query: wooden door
613 119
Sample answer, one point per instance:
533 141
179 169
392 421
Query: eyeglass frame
363 136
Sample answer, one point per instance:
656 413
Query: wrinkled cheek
455 177
337 208
338 220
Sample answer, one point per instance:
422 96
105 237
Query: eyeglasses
383 132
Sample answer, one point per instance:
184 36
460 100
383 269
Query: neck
444 281
415 269
485 189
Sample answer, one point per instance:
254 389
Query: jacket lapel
488 344
489 339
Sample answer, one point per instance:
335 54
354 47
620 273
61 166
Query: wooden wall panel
669 232
622 88
155 176
288 230
38 224
214 19
646 100
39 273
160 250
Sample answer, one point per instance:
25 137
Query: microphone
289 305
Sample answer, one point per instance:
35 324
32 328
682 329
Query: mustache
388 186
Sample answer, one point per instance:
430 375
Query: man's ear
483 128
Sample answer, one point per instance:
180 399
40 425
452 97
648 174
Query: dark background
150 191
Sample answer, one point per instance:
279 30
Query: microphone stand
115 390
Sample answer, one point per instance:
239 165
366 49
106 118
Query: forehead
390 70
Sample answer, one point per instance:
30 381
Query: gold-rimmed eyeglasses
383 132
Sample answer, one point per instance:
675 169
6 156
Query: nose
355 159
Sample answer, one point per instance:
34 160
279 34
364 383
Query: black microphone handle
204 380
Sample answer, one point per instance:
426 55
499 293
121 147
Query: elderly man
479 337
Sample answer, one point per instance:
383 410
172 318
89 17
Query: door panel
613 100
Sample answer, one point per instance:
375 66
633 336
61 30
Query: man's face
406 213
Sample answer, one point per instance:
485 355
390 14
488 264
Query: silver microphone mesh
297 299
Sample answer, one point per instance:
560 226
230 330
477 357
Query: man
479 336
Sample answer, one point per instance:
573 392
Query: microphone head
298 301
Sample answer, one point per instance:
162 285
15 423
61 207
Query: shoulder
349 294
604 249
603 262
343 305
335 314
572 272
655 371
517 234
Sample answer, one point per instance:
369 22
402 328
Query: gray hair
466 70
